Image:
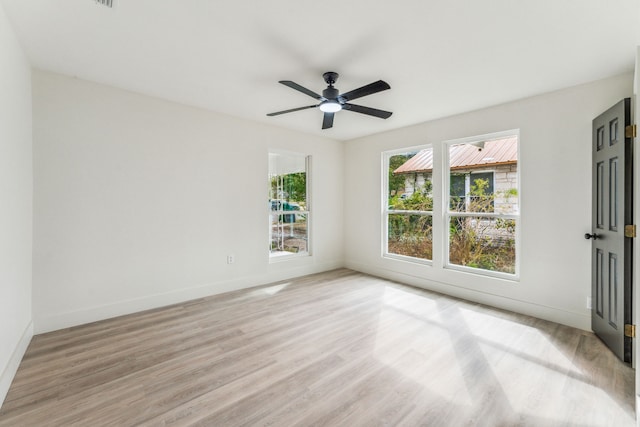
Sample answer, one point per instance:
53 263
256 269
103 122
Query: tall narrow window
409 204
288 205
483 214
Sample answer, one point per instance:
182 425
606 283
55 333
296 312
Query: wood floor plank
339 348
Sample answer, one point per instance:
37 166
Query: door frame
635 115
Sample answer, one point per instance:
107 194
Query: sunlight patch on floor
270 290
422 346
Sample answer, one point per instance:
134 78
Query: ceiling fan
331 101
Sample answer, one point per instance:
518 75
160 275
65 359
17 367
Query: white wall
555 165
138 201
16 190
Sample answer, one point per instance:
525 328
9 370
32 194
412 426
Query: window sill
285 256
510 277
405 258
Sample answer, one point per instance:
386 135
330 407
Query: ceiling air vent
108 3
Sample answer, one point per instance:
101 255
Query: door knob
593 236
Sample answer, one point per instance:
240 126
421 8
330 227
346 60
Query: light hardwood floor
334 349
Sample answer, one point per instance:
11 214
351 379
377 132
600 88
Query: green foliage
396 182
506 224
479 242
479 187
483 242
293 185
411 235
481 199
418 201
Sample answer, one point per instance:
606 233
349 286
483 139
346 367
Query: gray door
611 262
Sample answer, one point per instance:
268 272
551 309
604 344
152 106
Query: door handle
593 236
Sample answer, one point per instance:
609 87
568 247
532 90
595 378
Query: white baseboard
52 322
57 321
552 314
10 370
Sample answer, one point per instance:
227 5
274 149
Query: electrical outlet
231 259
589 303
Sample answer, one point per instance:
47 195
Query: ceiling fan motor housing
330 93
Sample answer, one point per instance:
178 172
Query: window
409 200
479 210
288 205
482 214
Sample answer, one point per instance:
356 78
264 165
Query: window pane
288 178
409 178
484 176
410 235
288 233
483 242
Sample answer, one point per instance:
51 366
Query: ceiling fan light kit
330 106
331 101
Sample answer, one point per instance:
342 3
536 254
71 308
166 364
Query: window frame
386 155
448 214
281 255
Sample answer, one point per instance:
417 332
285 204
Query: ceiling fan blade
302 89
327 121
369 89
368 110
292 110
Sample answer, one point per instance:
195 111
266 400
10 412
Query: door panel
612 209
599 273
613 194
600 194
614 321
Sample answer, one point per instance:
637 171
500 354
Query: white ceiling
440 57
